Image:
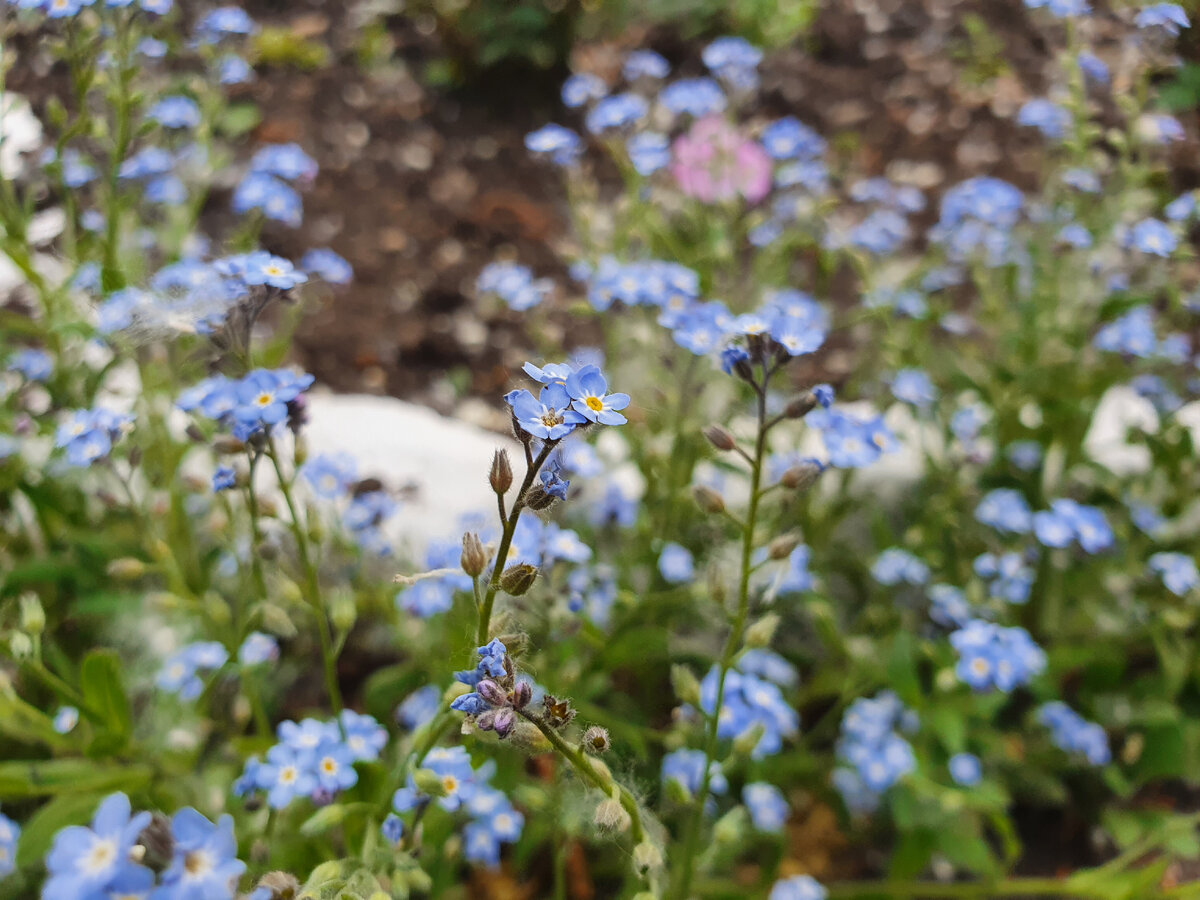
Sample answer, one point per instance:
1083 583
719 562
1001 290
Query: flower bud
719 438
522 694
20 645
687 688
611 816
761 632
33 617
195 434
429 782
474 558
799 407
518 579
126 569
745 742
647 858
731 827
500 476
782 546
343 612
277 621
708 499
596 740
267 550
801 476
505 720
491 692
225 445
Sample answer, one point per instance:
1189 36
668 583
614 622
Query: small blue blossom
232 69
617 111
798 887
645 64
225 20
10 833
1005 509
204 861
65 719
897 566
90 434
582 88
789 138
675 564
286 161
419 707
1153 237
914 386
224 479
1132 334
965 769
1047 117
258 648
587 389
767 806
948 605
686 768
1067 521
649 151
180 673
1093 68
392 828
327 265
991 656
750 702
1168 16
562 145
32 364
175 112
514 284
1177 570
276 200
696 97
873 755
330 475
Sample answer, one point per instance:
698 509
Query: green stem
732 645
510 527
312 585
583 766
964 890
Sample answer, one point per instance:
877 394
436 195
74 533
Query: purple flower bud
505 720
492 693
522 694
486 721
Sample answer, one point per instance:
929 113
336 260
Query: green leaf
104 694
239 119
912 854
323 819
38 833
1165 753
902 669
950 726
45 778
962 845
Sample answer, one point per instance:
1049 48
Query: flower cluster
992 656
750 703
313 759
89 434
514 284
180 673
873 754
250 406
567 400
447 772
266 186
1074 734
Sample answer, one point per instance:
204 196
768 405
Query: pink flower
714 162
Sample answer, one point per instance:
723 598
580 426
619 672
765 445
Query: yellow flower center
329 765
595 404
287 775
264 399
450 783
198 862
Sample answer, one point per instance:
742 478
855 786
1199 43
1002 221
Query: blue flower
263 268
1132 334
285 775
365 737
617 111
330 475
675 564
1005 510
392 828
224 478
1075 235
514 284
1084 180
34 365
767 806
277 201
1074 734
1153 237
286 161
644 64
89 434
327 265
552 481
419 707
873 755
965 769
65 719
225 20
948 605
649 151
798 887
1009 578
1093 68
587 389
262 398
204 861
232 69
426 598
258 648
549 416
914 386
1068 521
693 96
686 768
1178 571
991 656
562 145
96 862
179 672
10 832
750 701
334 766
895 566
175 112
1061 8
789 138
581 88
1168 16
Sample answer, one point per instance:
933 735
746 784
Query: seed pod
647 858
500 476
474 558
760 633
539 499
687 688
518 579
282 885
611 816
708 499
596 740
719 437
126 569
